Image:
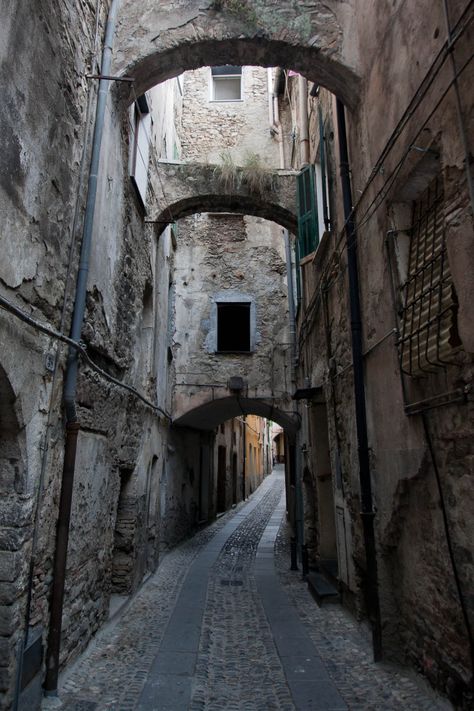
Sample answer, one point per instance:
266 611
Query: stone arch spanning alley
186 189
209 414
157 41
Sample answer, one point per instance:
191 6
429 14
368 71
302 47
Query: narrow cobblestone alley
206 631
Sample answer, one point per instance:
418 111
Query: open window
308 234
226 83
233 327
140 137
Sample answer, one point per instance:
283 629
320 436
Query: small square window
233 327
226 83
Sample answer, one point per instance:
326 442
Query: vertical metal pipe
367 512
70 385
291 302
244 456
86 245
304 126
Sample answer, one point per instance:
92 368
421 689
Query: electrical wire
49 331
383 192
363 219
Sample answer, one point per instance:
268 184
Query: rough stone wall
224 256
46 129
44 138
412 535
213 131
421 614
316 39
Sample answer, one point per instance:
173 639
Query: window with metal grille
429 324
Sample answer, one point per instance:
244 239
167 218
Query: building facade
198 242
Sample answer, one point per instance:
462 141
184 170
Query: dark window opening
233 327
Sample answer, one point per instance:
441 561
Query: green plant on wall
255 175
252 175
227 173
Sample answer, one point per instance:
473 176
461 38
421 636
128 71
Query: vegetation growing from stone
252 175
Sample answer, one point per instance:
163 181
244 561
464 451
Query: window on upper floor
233 327
322 178
226 83
308 233
429 314
140 137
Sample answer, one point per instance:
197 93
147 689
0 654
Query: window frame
220 74
140 141
223 300
308 232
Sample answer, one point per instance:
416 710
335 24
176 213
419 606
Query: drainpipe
70 385
367 512
244 457
291 303
304 125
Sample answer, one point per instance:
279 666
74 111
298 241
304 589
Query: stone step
321 589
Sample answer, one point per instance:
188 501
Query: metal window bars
429 316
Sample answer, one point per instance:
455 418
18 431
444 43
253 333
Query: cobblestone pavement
237 666
347 652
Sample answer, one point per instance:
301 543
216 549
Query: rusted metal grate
429 333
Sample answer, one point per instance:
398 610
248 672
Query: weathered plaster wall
46 130
418 610
227 128
217 257
44 127
412 537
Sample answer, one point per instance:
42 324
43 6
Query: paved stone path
223 624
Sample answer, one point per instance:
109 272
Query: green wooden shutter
308 237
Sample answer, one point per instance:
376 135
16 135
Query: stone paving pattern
238 668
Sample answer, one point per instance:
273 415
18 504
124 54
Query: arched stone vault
186 189
210 414
159 40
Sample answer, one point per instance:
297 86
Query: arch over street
209 415
193 188
157 41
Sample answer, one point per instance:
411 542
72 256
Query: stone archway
211 412
157 41
193 188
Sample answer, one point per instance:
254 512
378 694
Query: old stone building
218 215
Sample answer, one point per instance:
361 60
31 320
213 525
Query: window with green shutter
308 236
